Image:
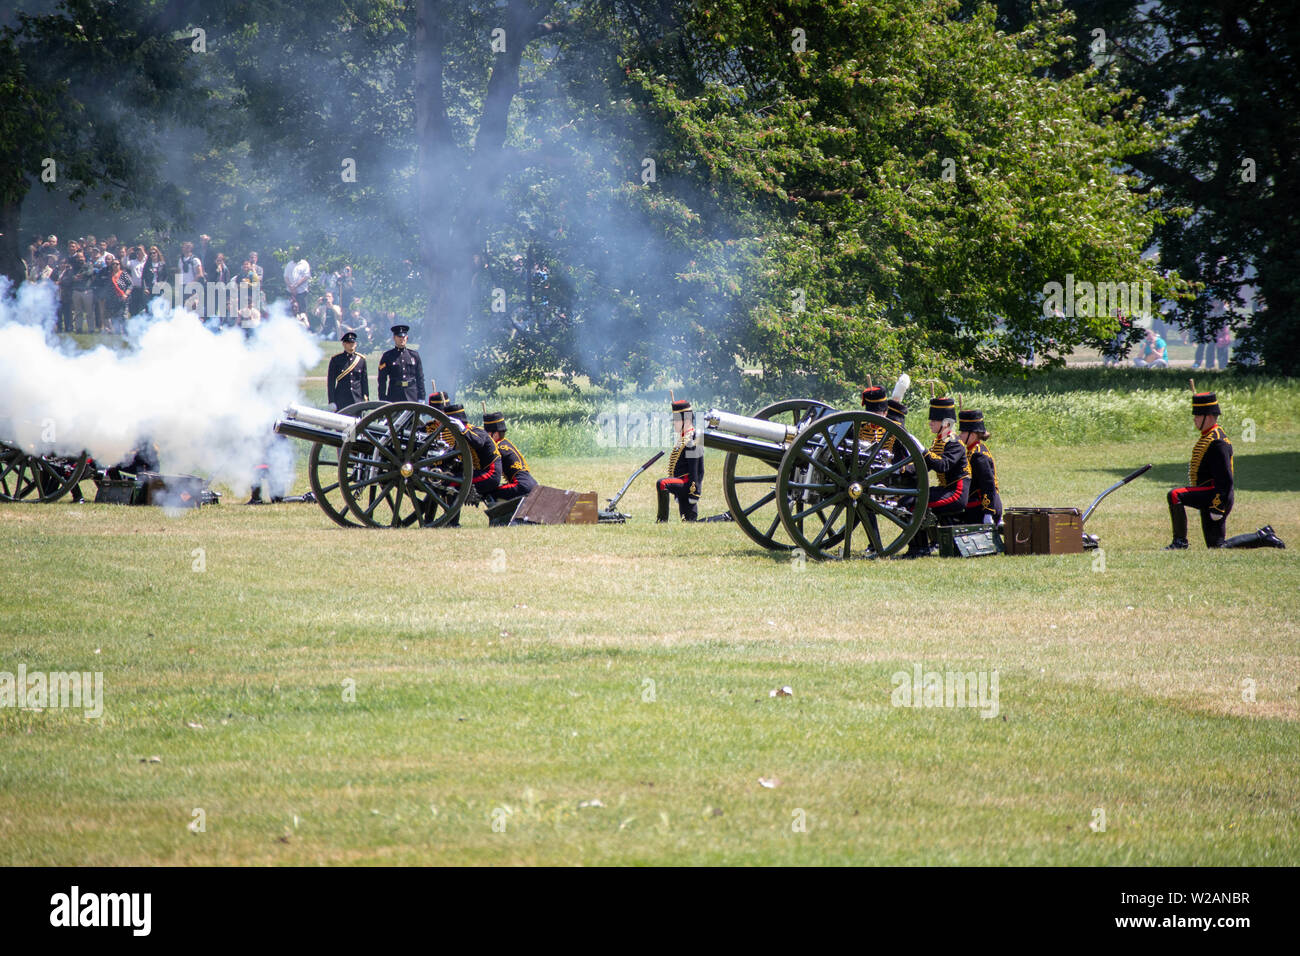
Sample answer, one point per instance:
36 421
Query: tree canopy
630 190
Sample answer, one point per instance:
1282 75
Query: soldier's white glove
1215 517
988 518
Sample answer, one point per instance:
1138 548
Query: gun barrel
775 432
331 421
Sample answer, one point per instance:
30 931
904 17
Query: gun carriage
834 484
27 475
380 464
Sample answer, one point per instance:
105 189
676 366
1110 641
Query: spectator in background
252 260
118 294
222 275
135 264
1223 342
328 317
1155 353
99 283
156 271
83 302
206 254
67 285
297 280
190 269
347 290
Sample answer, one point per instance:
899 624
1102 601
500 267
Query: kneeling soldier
685 467
487 460
950 486
985 505
516 479
1210 486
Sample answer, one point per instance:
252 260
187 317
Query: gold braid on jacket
1203 445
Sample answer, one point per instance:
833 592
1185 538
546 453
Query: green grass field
588 695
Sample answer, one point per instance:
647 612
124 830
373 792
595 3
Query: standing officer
401 376
516 479
1210 486
685 467
985 504
347 382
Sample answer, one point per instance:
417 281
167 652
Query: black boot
1263 538
1178 544
663 506
690 511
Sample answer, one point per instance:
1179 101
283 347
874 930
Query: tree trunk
11 251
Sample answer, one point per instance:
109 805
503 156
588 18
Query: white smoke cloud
207 399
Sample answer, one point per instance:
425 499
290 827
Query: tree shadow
1271 471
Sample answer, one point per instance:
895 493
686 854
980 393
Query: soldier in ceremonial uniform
487 459
985 504
346 381
950 486
1210 486
685 467
401 376
516 479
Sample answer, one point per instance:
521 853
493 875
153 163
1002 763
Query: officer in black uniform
346 381
401 376
516 479
1210 486
685 467
985 504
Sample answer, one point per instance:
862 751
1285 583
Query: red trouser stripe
681 480
486 475
1177 493
950 499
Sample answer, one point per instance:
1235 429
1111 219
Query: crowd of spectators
100 283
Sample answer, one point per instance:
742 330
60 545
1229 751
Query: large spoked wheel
37 478
750 483
840 494
407 464
323 473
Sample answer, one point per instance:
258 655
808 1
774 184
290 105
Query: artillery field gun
378 464
835 484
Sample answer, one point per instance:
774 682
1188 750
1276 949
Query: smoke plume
206 398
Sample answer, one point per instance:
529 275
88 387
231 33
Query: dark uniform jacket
687 462
401 376
947 458
515 473
984 497
1211 469
347 382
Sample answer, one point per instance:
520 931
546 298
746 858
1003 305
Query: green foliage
922 166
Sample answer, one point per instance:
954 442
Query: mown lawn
601 694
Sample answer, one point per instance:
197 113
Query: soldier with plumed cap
401 375
985 504
1209 489
516 479
685 467
346 380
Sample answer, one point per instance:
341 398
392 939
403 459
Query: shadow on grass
1271 471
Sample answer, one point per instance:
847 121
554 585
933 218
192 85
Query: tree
924 170
81 87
